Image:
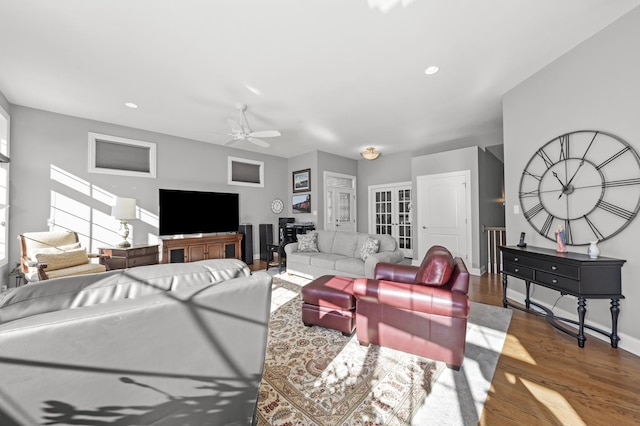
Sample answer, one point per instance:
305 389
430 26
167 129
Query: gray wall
490 197
43 141
452 161
385 169
301 162
594 86
4 103
4 270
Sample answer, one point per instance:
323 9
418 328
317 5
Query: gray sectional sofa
163 344
339 253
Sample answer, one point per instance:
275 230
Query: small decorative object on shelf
560 239
593 251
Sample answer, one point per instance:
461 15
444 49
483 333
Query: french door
390 213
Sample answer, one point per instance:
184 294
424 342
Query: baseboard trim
628 343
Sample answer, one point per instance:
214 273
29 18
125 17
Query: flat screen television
197 212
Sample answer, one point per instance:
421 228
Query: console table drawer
143 251
149 259
542 265
518 270
558 283
559 269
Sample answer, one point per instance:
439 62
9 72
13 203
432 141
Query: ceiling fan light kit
370 153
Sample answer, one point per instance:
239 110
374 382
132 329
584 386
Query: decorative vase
593 251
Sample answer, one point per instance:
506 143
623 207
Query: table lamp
123 210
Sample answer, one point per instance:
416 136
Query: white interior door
340 202
444 213
390 214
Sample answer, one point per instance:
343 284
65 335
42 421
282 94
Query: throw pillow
308 243
63 259
370 246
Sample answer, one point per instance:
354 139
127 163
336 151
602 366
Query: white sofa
339 253
163 344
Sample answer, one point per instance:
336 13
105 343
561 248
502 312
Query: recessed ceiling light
432 70
131 105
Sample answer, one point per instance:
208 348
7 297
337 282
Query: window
245 172
4 186
119 156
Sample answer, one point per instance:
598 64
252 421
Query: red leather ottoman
328 301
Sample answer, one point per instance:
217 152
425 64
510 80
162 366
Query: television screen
196 212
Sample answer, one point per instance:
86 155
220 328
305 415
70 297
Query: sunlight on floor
554 402
281 295
514 349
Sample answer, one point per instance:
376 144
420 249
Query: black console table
569 273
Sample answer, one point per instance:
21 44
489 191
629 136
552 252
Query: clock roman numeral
590 143
547 160
533 211
622 182
613 209
595 231
567 231
526 172
613 157
527 194
564 147
547 225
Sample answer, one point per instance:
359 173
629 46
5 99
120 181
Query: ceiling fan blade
266 133
259 142
235 126
230 141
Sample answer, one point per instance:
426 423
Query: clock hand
556 176
576 172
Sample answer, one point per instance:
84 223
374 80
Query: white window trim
93 137
230 180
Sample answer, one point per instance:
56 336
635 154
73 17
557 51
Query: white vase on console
593 250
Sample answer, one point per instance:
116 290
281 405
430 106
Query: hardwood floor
544 378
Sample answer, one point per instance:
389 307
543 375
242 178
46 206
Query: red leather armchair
420 310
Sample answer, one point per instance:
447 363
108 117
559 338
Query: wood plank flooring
544 378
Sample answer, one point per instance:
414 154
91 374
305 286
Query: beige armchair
55 254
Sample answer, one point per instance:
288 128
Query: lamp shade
124 208
370 153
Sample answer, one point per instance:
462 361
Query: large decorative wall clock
586 181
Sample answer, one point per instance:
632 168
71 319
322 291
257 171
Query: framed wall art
302 180
301 203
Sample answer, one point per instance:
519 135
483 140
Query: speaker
266 237
247 243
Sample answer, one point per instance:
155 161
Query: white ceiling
331 75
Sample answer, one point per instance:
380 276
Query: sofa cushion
325 260
32 252
85 268
308 243
350 265
325 241
370 246
344 243
303 258
63 259
436 267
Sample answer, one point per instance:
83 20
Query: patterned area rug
316 376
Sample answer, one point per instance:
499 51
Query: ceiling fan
240 131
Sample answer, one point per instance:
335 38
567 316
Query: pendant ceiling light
370 153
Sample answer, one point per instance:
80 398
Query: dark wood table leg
582 310
615 311
504 290
527 300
